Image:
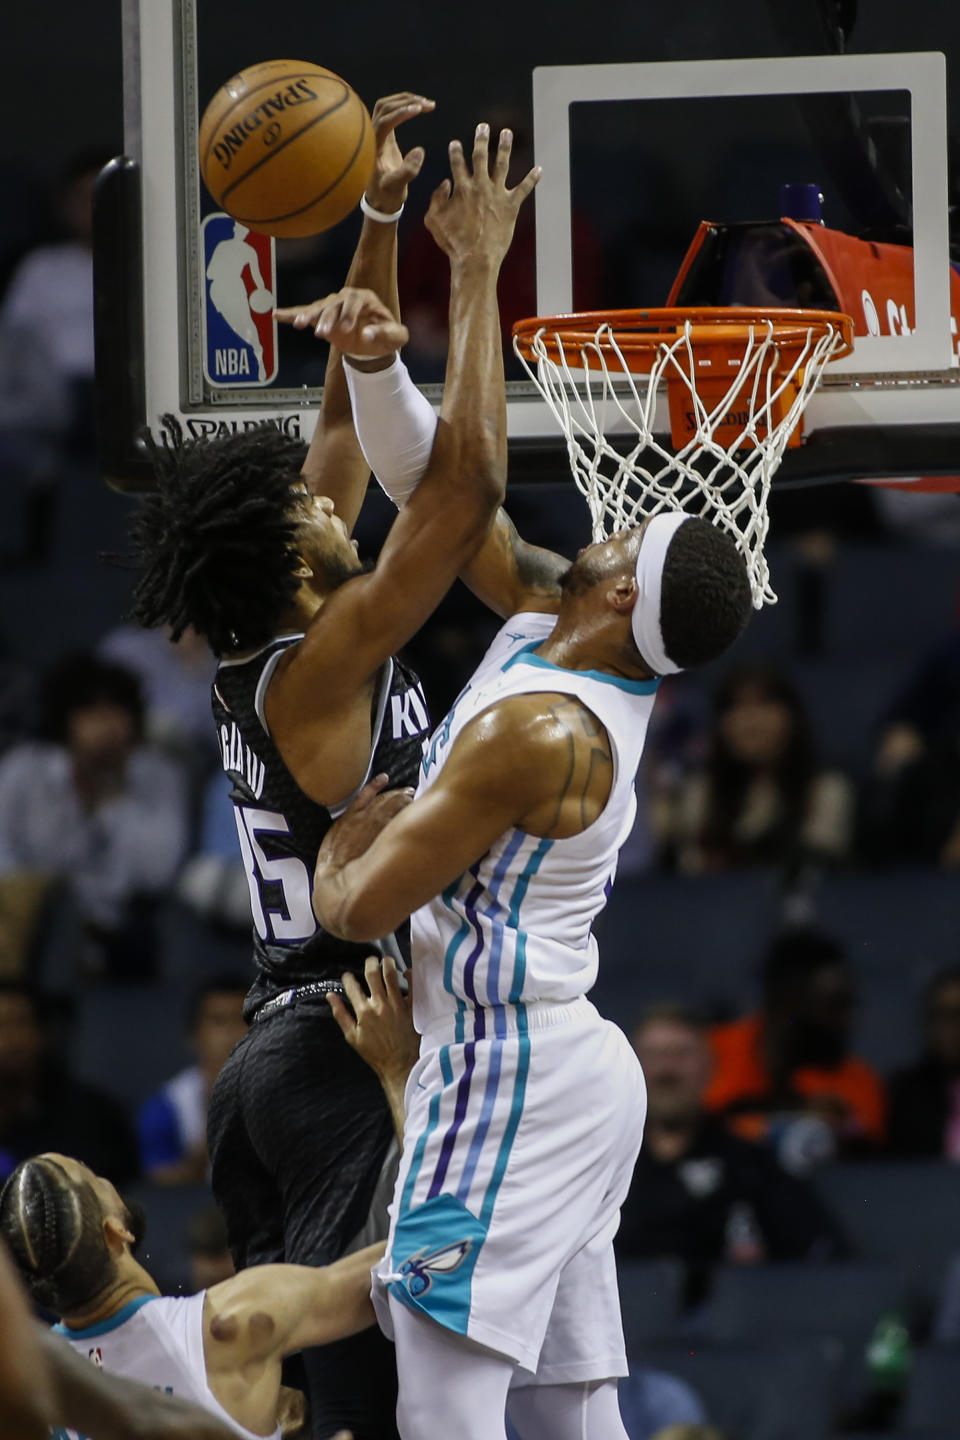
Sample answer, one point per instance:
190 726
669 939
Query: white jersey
516 927
157 1340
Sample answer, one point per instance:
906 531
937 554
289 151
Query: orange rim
637 334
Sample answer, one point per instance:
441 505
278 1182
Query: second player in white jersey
490 1202
524 1112
157 1339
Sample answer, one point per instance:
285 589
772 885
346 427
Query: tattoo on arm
589 761
537 570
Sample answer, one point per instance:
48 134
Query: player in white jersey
44 1384
72 1238
525 1109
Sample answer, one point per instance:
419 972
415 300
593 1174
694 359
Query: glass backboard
637 153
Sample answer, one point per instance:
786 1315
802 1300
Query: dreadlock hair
215 542
704 596
54 1228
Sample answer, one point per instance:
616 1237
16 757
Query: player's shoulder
534 734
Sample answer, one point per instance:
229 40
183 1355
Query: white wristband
380 215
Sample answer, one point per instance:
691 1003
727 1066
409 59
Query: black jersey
280 828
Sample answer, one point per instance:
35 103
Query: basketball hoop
737 381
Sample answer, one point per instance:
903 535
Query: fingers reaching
501 163
458 165
391 980
521 191
481 148
374 978
392 110
302 315
344 1019
373 787
412 164
352 319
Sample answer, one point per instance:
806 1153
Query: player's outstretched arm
269 1311
396 426
370 617
541 763
335 465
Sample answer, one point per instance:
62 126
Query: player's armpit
511 576
540 763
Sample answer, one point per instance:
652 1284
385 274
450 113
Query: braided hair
54 1228
215 541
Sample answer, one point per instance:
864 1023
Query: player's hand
353 320
381 1026
393 172
362 821
292 1412
475 213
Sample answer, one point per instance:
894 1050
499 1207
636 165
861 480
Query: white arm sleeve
395 425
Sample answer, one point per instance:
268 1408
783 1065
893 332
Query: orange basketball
286 147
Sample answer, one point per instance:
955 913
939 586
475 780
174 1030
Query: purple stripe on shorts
496 939
469 1053
499 1018
470 906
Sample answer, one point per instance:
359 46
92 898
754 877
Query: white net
592 391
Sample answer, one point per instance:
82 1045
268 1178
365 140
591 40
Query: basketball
286 147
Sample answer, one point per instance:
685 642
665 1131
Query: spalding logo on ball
287 148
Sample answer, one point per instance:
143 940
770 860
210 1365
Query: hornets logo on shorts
418 1270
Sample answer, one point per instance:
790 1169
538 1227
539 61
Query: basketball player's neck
305 607
130 1282
589 644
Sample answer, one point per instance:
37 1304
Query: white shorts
518 1152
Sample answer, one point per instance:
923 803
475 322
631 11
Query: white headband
646 612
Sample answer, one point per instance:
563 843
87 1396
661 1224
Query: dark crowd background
783 944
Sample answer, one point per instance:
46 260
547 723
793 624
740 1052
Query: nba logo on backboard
240 333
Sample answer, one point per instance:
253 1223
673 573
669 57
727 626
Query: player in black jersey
309 704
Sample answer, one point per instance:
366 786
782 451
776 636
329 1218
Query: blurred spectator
214 881
925 1097
210 1258
18 702
172 1124
761 798
698 1191
176 680
792 1057
43 1106
48 308
91 804
910 808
